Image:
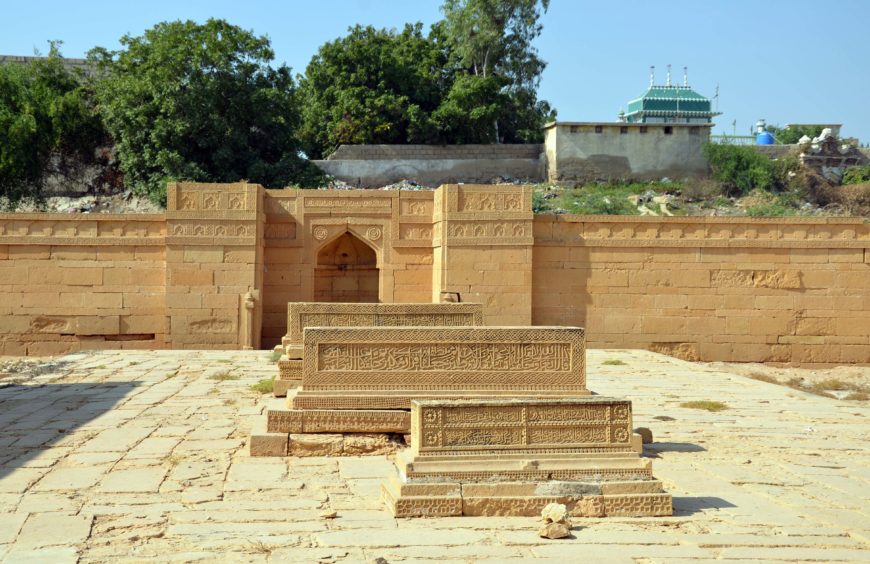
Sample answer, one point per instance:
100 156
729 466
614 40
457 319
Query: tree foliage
472 79
198 102
493 38
45 112
857 175
372 86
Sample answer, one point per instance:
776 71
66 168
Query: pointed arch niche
346 271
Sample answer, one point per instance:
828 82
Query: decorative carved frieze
352 364
493 426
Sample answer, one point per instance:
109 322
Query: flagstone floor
141 456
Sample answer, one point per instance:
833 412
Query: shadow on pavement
673 447
690 505
35 418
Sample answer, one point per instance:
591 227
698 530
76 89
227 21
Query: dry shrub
856 199
853 199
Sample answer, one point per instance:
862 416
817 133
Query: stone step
264 443
453 499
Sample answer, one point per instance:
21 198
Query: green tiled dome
670 104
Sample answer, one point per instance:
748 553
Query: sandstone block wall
781 290
219 267
301 225
70 282
483 249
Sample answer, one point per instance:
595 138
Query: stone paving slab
128 456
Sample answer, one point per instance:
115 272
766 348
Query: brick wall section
71 282
435 152
791 290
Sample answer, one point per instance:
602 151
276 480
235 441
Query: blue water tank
764 138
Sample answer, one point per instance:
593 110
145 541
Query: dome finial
652 75
668 83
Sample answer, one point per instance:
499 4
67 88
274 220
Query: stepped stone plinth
363 379
313 314
514 456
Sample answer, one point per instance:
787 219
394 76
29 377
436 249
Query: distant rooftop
669 103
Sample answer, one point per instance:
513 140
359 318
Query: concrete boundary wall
367 166
217 269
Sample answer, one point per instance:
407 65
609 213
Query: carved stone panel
439 361
491 426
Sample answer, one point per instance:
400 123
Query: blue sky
788 61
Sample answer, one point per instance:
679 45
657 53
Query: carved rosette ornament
320 233
373 233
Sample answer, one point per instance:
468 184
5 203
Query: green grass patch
706 405
264 386
224 376
613 362
275 356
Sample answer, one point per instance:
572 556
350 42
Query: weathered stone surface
289 369
368 444
554 512
315 445
514 457
555 531
787 504
53 529
645 433
528 426
386 367
268 444
307 314
281 387
337 421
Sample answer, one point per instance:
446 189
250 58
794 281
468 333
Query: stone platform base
636 498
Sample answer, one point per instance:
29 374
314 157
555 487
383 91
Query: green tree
372 86
494 38
198 102
45 112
